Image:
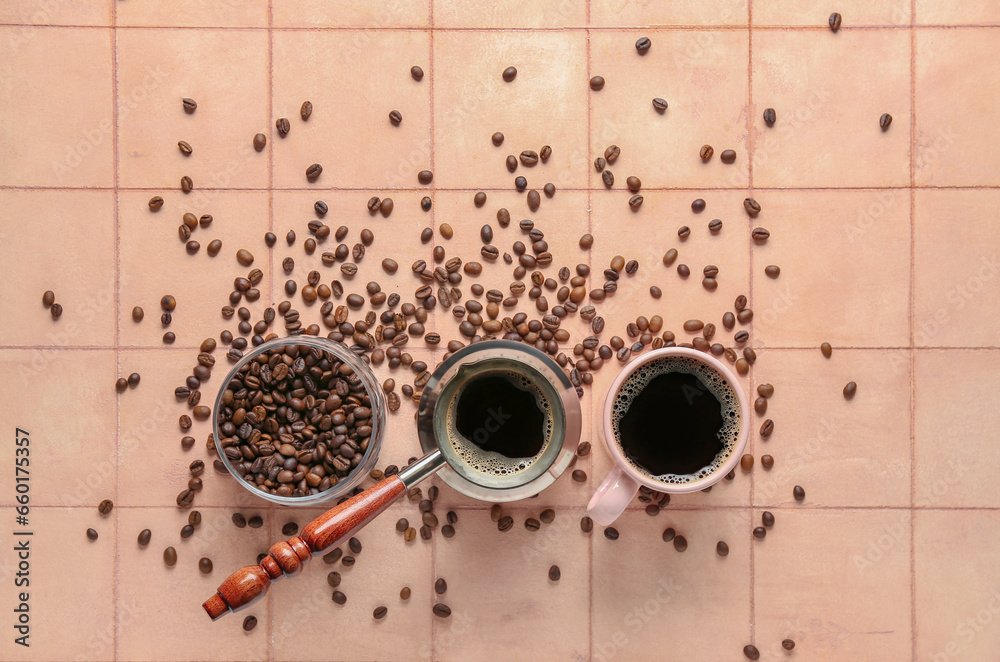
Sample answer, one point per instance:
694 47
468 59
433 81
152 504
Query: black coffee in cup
676 419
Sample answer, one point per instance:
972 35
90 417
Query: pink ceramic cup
621 485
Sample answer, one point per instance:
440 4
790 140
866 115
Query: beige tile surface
884 240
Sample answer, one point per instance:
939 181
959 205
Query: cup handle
612 497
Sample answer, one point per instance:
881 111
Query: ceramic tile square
56 134
172 596
396 237
545 105
854 13
703 77
68 619
192 13
828 98
72 440
74 257
941 12
647 235
955 269
825 443
823 581
950 137
32 12
512 588
322 66
651 602
958 586
628 13
817 298
303 604
200 284
954 434
225 71
349 14
510 14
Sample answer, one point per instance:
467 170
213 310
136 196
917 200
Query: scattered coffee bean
767 519
442 610
642 45
772 270
798 493
787 644
189 105
721 548
769 116
635 202
849 390
105 507
505 523
497 139
187 184
680 543
339 598
611 533
313 172
660 105
509 74
668 534
586 524
395 118
56 310
835 20
752 208
249 623
554 573
170 557
826 349
597 83
244 257
746 462
706 153
91 534
205 565
767 462
885 121
766 428
751 652
380 612
259 142
386 207
155 203
184 147
417 73
283 126
728 156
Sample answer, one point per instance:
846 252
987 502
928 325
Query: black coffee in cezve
676 419
497 414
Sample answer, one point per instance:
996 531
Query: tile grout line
751 145
430 94
270 257
913 108
118 306
178 348
590 263
358 189
566 28
791 507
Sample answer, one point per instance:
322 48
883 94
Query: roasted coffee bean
612 153
283 126
395 117
760 405
698 205
826 349
586 524
386 207
746 462
121 385
611 533
442 610
849 390
760 533
380 612
608 178
885 121
728 156
787 644
597 83
721 548
313 172
189 105
529 158
751 652
835 20
509 74
479 199
706 152
170 557
680 543
244 257
767 519
505 523
660 105
184 147
769 116
766 428
635 202
249 623
554 573
668 534
305 111
144 537
634 184
798 493
259 142
752 208
772 270
579 476
642 45
339 597
187 531
417 73
532 524
683 232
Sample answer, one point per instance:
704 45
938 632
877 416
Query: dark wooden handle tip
247 584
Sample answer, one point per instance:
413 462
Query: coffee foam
717 386
491 462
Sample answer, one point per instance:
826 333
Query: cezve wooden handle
247 584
